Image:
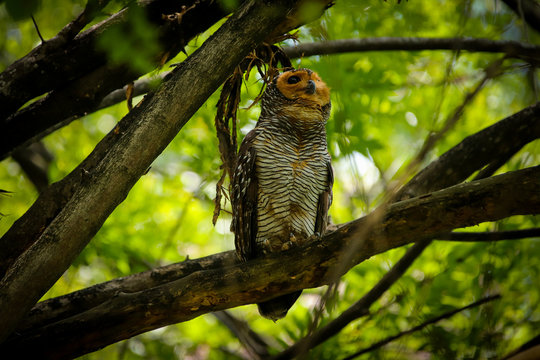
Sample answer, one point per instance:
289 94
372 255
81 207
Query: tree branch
511 48
489 236
434 320
126 314
91 192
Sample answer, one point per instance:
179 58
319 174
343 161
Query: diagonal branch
510 48
60 60
126 314
91 192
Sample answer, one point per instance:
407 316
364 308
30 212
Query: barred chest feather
292 174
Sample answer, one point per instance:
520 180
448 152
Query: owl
282 185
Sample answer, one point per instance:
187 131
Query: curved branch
124 314
80 97
511 48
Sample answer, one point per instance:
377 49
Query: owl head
297 93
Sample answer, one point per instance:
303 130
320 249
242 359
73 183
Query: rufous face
304 84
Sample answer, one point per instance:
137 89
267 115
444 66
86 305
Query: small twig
358 309
446 315
37 30
489 236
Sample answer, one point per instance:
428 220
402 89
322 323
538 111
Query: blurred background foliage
384 105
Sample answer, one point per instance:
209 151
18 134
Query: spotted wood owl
282 186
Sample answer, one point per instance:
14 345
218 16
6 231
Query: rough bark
196 292
90 193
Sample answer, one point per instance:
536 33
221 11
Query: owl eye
293 80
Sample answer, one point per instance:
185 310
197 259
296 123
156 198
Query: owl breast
291 176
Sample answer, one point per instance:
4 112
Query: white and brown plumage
282 186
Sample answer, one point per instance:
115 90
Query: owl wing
325 200
244 199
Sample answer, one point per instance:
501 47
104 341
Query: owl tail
277 308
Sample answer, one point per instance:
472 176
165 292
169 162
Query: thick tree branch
91 192
511 48
56 309
126 314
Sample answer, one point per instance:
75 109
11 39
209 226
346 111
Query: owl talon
292 238
316 236
287 245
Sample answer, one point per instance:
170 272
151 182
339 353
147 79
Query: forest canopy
119 121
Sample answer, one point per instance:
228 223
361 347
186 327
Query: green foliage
134 43
384 106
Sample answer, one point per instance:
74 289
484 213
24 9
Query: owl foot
293 241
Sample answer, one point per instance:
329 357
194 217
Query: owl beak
311 87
